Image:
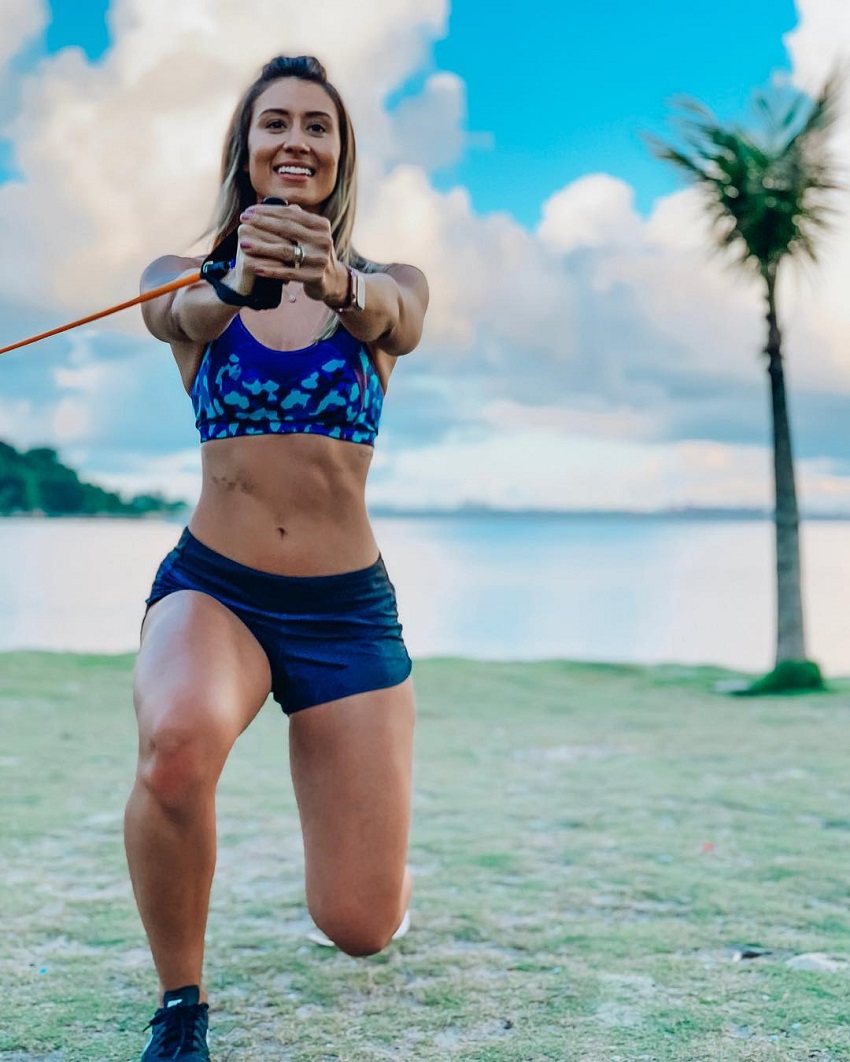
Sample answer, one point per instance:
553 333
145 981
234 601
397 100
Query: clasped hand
270 236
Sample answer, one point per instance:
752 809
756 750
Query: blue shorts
325 636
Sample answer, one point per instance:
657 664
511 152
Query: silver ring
297 254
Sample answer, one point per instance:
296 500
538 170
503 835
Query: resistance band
173 285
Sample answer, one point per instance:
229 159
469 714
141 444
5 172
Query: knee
177 764
357 931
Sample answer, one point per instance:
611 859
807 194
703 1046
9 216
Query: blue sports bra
245 388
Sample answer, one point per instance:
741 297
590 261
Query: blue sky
570 88
78 22
581 349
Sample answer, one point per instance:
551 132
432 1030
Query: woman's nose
295 140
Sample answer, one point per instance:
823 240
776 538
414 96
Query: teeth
301 170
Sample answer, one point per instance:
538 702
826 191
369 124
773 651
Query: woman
277 584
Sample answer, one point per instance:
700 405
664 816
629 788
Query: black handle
267 290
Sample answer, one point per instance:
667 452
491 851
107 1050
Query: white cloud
599 423
21 423
520 468
22 21
819 44
177 475
819 41
594 211
428 129
493 285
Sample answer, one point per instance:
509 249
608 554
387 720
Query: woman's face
294 143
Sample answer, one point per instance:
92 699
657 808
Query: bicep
158 314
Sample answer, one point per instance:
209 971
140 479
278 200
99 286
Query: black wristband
225 293
264 295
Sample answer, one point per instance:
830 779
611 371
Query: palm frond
767 191
792 115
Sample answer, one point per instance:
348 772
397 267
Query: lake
643 590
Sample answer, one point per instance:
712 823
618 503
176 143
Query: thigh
199 670
351 768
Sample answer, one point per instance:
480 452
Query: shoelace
181 1032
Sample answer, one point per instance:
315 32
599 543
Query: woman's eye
276 124
316 127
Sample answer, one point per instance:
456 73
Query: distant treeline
36 481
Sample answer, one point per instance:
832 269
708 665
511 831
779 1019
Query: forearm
382 310
199 314
192 314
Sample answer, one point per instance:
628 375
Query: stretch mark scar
228 484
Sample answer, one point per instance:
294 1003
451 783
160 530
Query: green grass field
611 863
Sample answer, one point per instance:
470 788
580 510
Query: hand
268 236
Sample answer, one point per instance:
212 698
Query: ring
297 254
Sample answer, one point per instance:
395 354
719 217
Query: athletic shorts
325 636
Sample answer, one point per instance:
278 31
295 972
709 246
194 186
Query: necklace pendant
291 296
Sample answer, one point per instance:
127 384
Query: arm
195 314
394 312
189 315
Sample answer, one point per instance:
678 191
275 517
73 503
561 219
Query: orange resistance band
183 282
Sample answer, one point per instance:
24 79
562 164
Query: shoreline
475 513
668 671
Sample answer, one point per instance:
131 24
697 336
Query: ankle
185 993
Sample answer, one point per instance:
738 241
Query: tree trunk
790 640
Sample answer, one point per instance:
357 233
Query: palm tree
768 198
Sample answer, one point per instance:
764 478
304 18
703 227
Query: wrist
239 280
224 269
355 294
240 287
356 297
338 297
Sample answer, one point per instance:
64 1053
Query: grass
611 863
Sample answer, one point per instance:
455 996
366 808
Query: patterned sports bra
245 388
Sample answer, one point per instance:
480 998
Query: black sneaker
179 1028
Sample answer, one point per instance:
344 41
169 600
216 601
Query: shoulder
157 312
166 268
410 278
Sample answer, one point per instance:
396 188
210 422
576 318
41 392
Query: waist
290 505
327 593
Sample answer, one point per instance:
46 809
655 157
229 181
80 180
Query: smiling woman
277 585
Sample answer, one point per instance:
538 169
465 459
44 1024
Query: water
585 588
